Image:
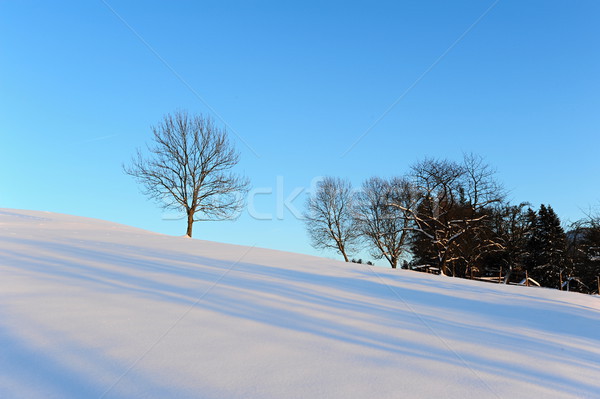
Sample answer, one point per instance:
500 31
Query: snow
93 309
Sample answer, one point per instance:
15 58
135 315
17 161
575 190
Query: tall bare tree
437 182
480 194
384 225
452 201
188 169
329 216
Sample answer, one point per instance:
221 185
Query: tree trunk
190 222
442 264
342 250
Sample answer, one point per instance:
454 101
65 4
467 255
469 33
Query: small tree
383 217
188 169
329 218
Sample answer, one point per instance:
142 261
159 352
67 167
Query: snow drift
92 309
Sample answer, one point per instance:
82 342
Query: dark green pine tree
511 226
546 249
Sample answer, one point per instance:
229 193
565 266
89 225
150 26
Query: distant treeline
453 218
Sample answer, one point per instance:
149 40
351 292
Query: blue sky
297 83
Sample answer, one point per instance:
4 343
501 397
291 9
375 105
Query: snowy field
92 309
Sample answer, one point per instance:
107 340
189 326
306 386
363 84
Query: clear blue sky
299 82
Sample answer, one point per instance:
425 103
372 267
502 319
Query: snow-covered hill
92 309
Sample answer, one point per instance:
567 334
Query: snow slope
92 309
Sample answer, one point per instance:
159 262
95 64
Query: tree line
453 218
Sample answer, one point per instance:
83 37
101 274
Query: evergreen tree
511 226
546 249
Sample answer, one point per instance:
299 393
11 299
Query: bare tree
480 194
480 185
384 225
437 182
329 217
584 251
188 169
452 201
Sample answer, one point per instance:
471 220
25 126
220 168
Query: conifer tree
511 225
547 249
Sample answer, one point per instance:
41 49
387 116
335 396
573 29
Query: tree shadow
389 314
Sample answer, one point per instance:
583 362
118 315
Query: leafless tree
188 169
385 226
481 187
481 194
329 216
584 251
437 182
451 202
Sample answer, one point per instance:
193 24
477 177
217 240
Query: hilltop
90 308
